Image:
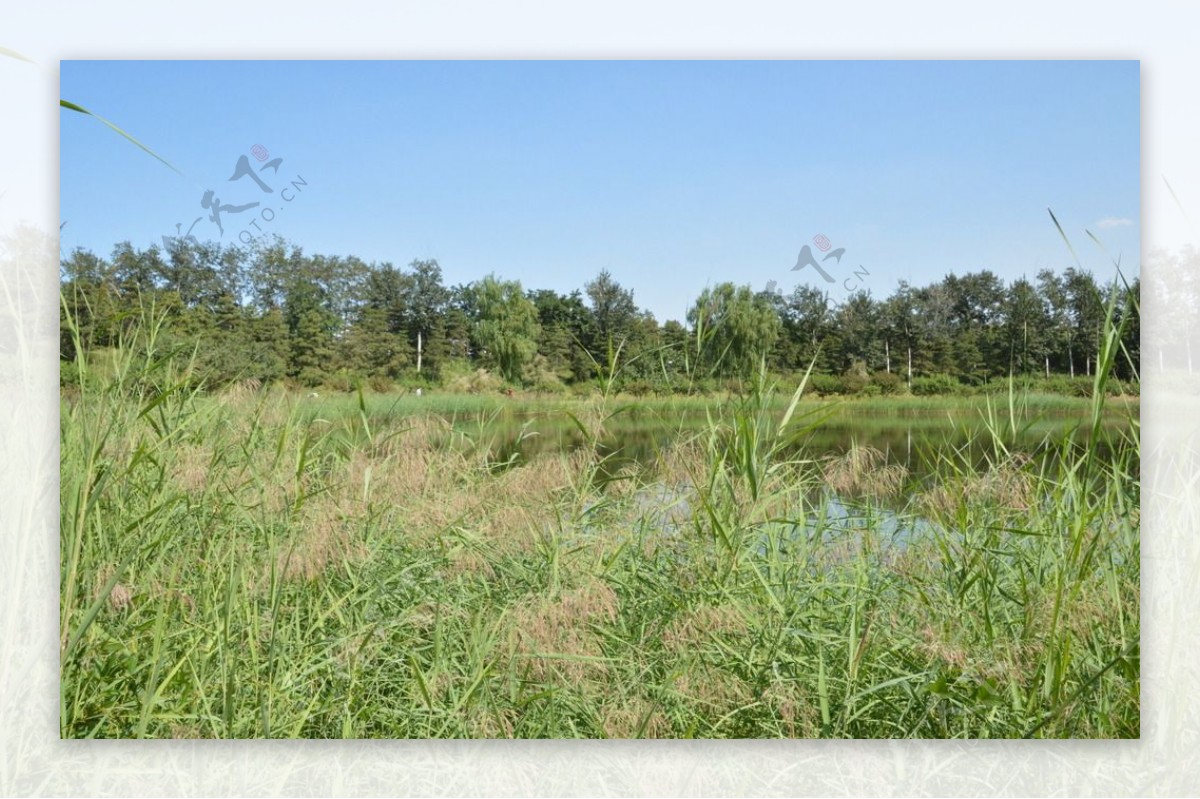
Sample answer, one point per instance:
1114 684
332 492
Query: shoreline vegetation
271 314
257 562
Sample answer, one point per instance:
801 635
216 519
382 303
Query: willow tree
506 325
737 329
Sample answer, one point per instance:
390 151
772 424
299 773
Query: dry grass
798 714
241 392
479 381
863 471
692 628
1008 484
121 597
477 600
636 717
192 467
325 538
711 688
555 635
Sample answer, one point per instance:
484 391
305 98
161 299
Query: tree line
274 313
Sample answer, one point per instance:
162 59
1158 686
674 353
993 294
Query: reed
266 564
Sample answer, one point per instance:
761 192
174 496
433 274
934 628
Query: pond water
918 440
914 439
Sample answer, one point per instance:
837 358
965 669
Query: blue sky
672 175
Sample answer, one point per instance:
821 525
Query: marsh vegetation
256 562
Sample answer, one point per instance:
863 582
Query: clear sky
673 175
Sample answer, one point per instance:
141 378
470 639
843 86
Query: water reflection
918 443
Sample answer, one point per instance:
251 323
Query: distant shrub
583 388
540 375
68 373
1066 386
887 382
310 377
825 385
547 383
732 385
855 379
342 381
934 385
1083 386
1116 388
380 384
638 388
477 382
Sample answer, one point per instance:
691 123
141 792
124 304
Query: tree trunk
418 352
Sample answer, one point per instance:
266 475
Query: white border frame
32 759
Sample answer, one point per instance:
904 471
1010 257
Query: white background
33 761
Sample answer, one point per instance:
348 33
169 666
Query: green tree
311 326
642 345
371 349
737 328
91 297
1087 310
506 325
564 321
1026 329
269 349
425 301
675 355
936 333
858 324
1129 365
613 313
1060 332
807 322
901 325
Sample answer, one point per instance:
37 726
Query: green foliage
68 374
855 379
506 327
735 328
272 312
935 384
371 349
268 565
825 385
889 383
613 311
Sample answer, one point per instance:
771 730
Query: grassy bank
338 405
261 565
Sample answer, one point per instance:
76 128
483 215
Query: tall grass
255 564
